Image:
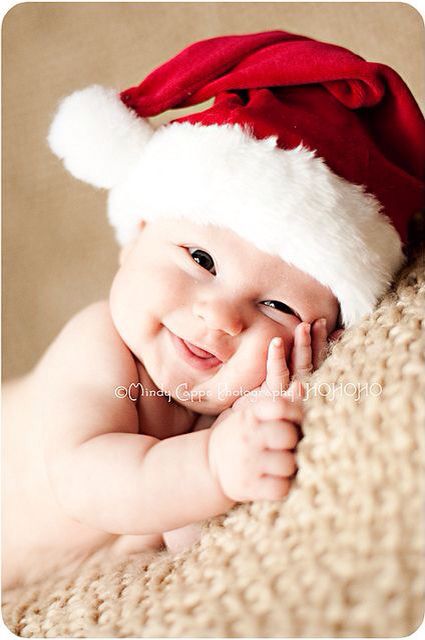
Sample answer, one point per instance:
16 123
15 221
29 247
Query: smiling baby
248 239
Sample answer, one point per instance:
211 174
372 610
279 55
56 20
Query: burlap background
59 254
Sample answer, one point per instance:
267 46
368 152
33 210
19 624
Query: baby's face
180 281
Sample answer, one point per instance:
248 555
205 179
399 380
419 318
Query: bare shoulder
95 318
90 348
78 376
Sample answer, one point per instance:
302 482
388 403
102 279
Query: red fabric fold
359 116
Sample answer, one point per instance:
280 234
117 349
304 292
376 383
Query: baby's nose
220 315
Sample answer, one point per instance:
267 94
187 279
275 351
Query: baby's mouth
201 353
193 355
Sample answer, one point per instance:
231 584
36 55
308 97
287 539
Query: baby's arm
102 471
135 484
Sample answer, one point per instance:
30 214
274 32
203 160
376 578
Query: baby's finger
319 342
271 488
277 372
277 463
281 408
301 358
296 391
279 435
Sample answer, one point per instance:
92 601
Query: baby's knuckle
277 489
290 463
305 369
249 416
276 407
244 414
292 436
248 462
284 435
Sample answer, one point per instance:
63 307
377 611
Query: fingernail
277 342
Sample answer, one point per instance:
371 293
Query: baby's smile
195 356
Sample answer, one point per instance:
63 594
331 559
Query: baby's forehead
216 235
232 249
187 225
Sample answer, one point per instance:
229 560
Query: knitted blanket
341 556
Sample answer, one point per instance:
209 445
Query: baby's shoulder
89 345
92 322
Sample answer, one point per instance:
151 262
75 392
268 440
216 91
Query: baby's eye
203 259
280 306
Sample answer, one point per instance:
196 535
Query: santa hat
309 152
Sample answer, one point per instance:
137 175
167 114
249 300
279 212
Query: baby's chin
208 401
201 404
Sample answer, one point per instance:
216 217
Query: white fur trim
97 136
286 202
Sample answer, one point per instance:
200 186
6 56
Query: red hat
308 151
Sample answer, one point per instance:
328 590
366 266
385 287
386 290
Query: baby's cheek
254 373
253 369
249 371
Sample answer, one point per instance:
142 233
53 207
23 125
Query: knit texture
341 556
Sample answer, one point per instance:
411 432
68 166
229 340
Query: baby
241 254
191 307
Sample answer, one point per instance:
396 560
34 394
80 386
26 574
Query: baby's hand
308 353
277 371
310 347
251 444
251 448
250 451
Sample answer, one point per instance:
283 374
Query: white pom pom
97 136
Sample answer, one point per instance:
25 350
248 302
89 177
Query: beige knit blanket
341 556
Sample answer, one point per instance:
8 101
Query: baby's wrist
215 476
